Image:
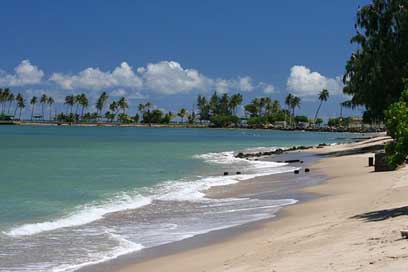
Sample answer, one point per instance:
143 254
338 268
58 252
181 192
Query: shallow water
71 196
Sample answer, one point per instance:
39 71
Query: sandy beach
352 226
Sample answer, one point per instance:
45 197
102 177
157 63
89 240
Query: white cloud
165 77
169 77
267 88
94 78
245 84
25 74
130 94
303 82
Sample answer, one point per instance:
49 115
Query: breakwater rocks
278 151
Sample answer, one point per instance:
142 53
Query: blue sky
169 51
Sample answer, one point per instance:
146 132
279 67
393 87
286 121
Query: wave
125 247
85 214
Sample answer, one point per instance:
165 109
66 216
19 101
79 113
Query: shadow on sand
382 214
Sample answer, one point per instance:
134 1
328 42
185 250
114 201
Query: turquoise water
56 181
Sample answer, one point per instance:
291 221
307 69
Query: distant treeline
216 110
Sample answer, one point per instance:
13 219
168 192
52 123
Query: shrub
396 121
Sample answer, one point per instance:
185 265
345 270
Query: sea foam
85 214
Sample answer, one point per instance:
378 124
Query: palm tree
19 97
70 101
77 102
83 101
33 101
100 103
114 108
182 113
43 101
123 104
4 96
10 99
288 102
142 108
295 103
235 101
50 101
21 106
323 96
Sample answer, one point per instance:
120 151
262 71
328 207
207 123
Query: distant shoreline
115 124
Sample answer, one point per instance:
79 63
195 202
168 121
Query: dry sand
353 226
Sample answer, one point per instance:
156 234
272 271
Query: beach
353 225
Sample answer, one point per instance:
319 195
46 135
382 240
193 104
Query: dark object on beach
292 161
404 234
296 172
307 170
380 162
278 151
301 161
238 173
322 145
225 173
370 161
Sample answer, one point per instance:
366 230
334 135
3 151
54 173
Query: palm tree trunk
42 110
15 111
32 113
317 111
19 116
50 112
8 110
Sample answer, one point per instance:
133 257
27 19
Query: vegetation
396 118
375 70
323 96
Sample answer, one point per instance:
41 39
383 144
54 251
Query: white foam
85 214
125 247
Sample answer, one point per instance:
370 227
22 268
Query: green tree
182 114
375 70
101 101
33 101
21 105
50 102
70 101
123 104
323 96
43 101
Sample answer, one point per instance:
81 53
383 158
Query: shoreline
190 251
176 125
352 226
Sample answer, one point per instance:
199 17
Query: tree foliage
396 120
375 70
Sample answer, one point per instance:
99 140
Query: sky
168 52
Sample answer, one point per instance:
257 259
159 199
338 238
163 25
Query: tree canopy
375 70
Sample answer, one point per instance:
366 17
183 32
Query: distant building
279 124
355 122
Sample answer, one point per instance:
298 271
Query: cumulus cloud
305 83
267 88
169 77
25 74
94 78
164 77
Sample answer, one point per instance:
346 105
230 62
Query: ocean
74 196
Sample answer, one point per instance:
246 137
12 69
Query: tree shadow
382 214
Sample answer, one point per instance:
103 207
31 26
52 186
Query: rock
296 172
238 173
225 173
307 170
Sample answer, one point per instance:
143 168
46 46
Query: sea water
74 196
